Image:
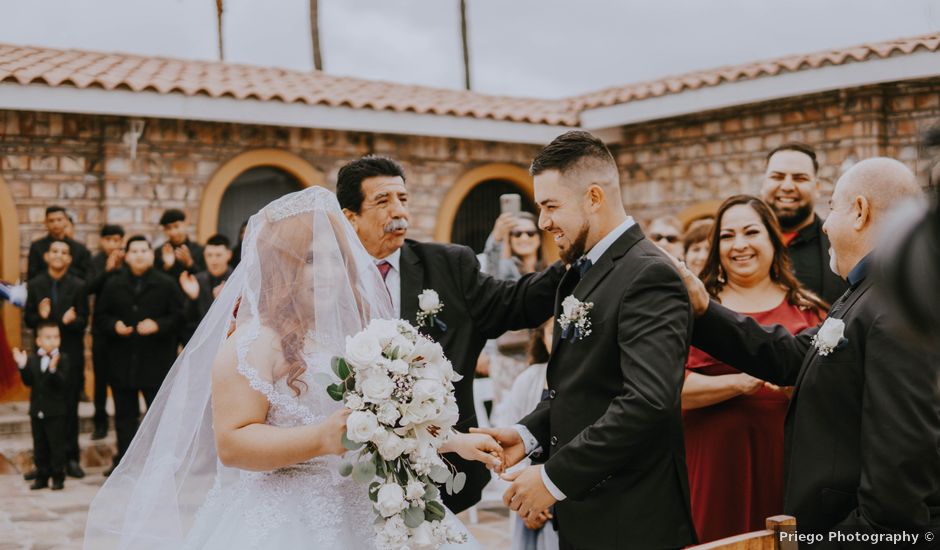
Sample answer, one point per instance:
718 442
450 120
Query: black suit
612 426
81 258
138 363
863 426
70 292
809 253
195 250
98 277
49 398
477 307
196 309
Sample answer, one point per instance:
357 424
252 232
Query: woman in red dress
733 421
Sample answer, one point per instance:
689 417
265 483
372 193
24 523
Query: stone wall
670 164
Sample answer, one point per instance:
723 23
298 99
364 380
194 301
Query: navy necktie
583 265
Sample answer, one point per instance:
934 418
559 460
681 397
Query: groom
476 307
612 426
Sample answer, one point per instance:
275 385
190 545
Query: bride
242 446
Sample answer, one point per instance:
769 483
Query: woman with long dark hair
733 421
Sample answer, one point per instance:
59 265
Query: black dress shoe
100 432
73 469
58 484
40 483
31 475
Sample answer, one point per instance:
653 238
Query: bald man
862 430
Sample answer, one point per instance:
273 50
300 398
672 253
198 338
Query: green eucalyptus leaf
334 365
364 471
323 379
336 391
345 469
434 511
449 485
459 481
350 444
342 368
439 474
413 516
374 490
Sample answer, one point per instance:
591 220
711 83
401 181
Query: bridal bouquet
400 389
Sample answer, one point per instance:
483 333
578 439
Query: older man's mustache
397 224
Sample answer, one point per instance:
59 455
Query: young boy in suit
46 372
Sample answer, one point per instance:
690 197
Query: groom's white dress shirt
532 444
393 279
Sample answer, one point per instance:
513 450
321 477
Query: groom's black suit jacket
612 425
477 307
862 433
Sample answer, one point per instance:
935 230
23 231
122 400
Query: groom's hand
527 494
511 442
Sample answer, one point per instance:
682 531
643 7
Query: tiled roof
749 71
84 69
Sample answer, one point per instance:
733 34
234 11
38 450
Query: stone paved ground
47 520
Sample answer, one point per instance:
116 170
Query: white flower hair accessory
575 320
830 337
430 305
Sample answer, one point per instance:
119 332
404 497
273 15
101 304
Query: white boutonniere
830 336
575 319
429 306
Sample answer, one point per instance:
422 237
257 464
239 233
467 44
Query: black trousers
76 382
49 446
127 414
100 366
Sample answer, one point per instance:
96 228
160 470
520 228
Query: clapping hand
168 255
69 316
511 442
123 330
147 327
54 363
45 308
184 256
189 284
20 357
115 260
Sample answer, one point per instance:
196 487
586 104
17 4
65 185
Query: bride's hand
331 433
479 447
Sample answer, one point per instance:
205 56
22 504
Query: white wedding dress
304 278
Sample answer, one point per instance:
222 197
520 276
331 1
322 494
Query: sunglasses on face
672 239
519 233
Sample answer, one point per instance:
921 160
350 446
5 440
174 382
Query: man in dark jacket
790 189
106 263
57 224
143 310
202 288
178 253
57 295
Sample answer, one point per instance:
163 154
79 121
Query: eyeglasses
519 233
672 239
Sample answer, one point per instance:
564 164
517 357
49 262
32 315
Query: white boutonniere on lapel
830 337
575 319
429 306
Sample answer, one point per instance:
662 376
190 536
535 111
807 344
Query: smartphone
510 203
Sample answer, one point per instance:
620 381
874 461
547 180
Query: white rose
417 413
391 446
421 536
414 490
354 401
388 413
568 305
432 352
361 425
394 533
376 386
398 367
385 330
390 500
429 300
427 390
831 332
363 349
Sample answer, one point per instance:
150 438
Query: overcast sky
536 48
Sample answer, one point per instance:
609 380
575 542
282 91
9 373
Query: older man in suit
476 307
863 426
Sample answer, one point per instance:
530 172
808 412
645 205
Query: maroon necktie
384 268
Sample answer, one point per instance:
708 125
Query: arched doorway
249 192
10 387
471 206
287 171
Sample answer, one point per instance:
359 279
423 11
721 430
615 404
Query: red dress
734 449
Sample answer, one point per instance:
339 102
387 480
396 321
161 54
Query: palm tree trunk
315 35
218 11
466 47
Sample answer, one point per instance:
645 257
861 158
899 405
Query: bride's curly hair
284 247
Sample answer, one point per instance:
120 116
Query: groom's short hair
570 150
349 180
